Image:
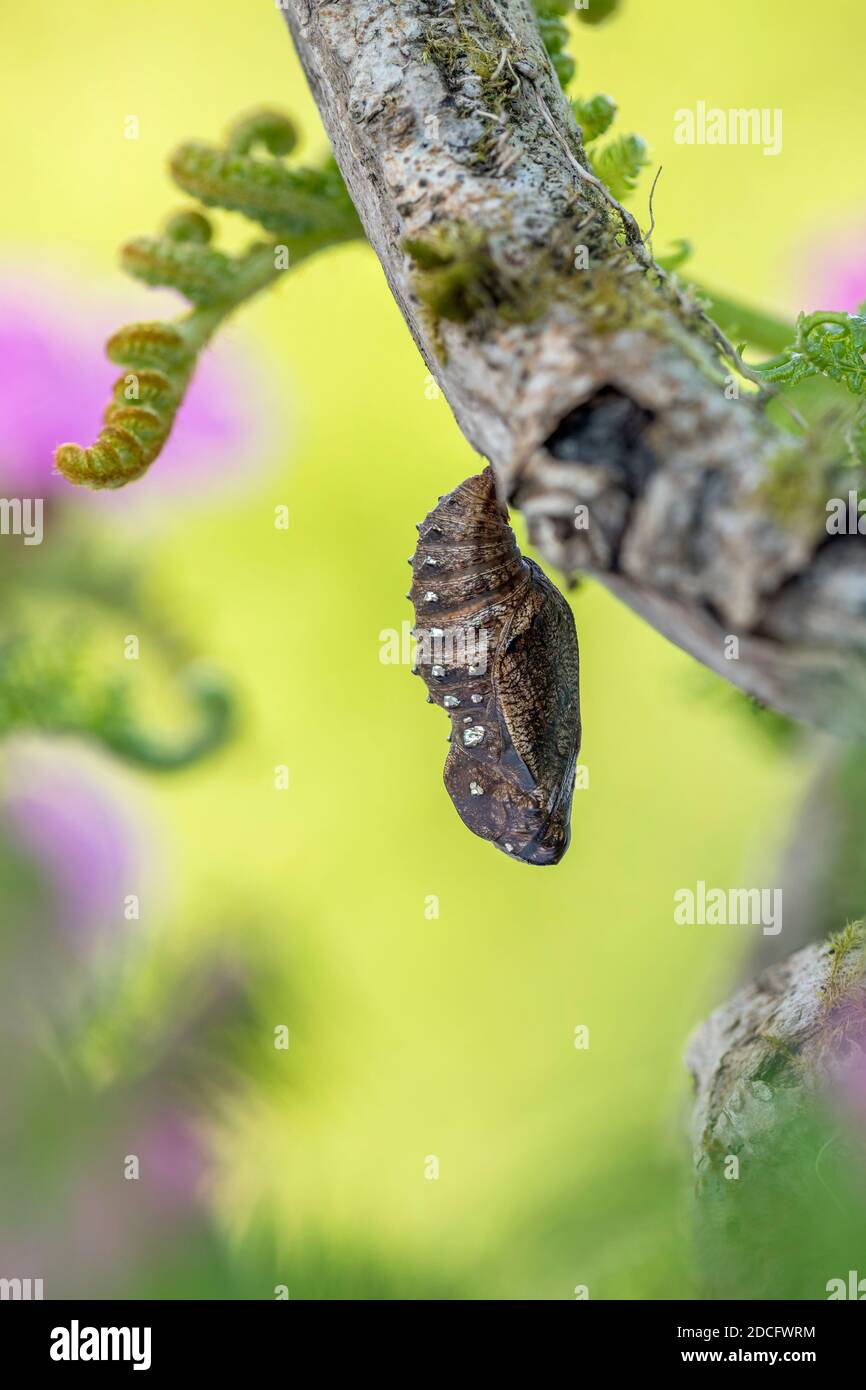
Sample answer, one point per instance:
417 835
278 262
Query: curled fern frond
202 274
158 364
270 129
158 345
554 36
189 225
596 11
303 209
64 635
831 345
827 343
199 272
595 116
677 258
50 683
619 163
213 719
286 202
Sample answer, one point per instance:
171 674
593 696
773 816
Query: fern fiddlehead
554 31
619 164
828 344
595 116
51 683
303 210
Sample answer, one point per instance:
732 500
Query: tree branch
601 387
777 1127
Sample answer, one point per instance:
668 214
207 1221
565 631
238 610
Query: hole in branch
607 429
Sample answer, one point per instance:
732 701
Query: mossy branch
777 1072
588 373
590 376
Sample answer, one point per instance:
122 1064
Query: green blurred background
411 1036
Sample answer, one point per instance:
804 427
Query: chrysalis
497 649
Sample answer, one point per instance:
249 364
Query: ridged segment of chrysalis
497 649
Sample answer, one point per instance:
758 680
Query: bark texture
778 1013
599 387
777 1127
788 1033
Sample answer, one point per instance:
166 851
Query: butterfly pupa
497 649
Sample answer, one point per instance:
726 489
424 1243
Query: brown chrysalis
497 649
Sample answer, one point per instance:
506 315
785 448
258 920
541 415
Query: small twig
648 237
500 65
504 23
631 227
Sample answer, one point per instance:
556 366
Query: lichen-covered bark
789 1032
777 1015
598 387
777 1127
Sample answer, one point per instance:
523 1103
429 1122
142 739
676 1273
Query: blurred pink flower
111 1217
55 382
844 1056
92 1232
834 271
173 1158
61 811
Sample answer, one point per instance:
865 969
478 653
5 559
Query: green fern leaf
595 11
286 202
619 163
52 682
595 117
303 209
